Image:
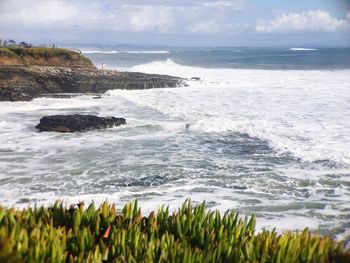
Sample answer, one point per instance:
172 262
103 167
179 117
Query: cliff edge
27 76
43 56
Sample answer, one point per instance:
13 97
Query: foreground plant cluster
75 234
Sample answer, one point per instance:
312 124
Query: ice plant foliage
191 234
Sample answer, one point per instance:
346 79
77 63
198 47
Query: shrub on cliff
58 234
5 52
38 52
42 56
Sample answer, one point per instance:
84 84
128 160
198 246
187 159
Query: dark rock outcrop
21 83
76 122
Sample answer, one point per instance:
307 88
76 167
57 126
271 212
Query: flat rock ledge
25 84
77 123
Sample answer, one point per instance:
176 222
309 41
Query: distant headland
42 56
25 54
27 72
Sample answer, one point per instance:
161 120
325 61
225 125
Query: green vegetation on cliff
42 56
6 52
58 234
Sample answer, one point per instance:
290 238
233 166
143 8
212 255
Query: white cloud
208 26
36 14
317 20
120 15
224 4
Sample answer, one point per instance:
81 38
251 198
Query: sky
178 22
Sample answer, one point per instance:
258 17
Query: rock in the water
76 122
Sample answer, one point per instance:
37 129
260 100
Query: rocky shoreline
26 83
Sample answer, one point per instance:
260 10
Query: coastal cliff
76 74
22 83
43 56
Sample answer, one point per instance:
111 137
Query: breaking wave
291 109
125 51
302 49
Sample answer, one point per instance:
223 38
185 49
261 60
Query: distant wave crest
125 51
302 49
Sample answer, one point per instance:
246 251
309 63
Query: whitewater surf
265 140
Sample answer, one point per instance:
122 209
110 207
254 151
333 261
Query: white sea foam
305 113
125 51
182 143
302 49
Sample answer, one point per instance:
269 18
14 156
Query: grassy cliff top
42 56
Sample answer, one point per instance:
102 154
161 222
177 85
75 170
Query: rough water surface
270 142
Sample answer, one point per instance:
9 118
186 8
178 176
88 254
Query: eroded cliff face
26 83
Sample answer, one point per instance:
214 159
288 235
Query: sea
262 131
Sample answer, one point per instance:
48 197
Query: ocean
257 130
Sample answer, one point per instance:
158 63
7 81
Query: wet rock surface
77 123
21 83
